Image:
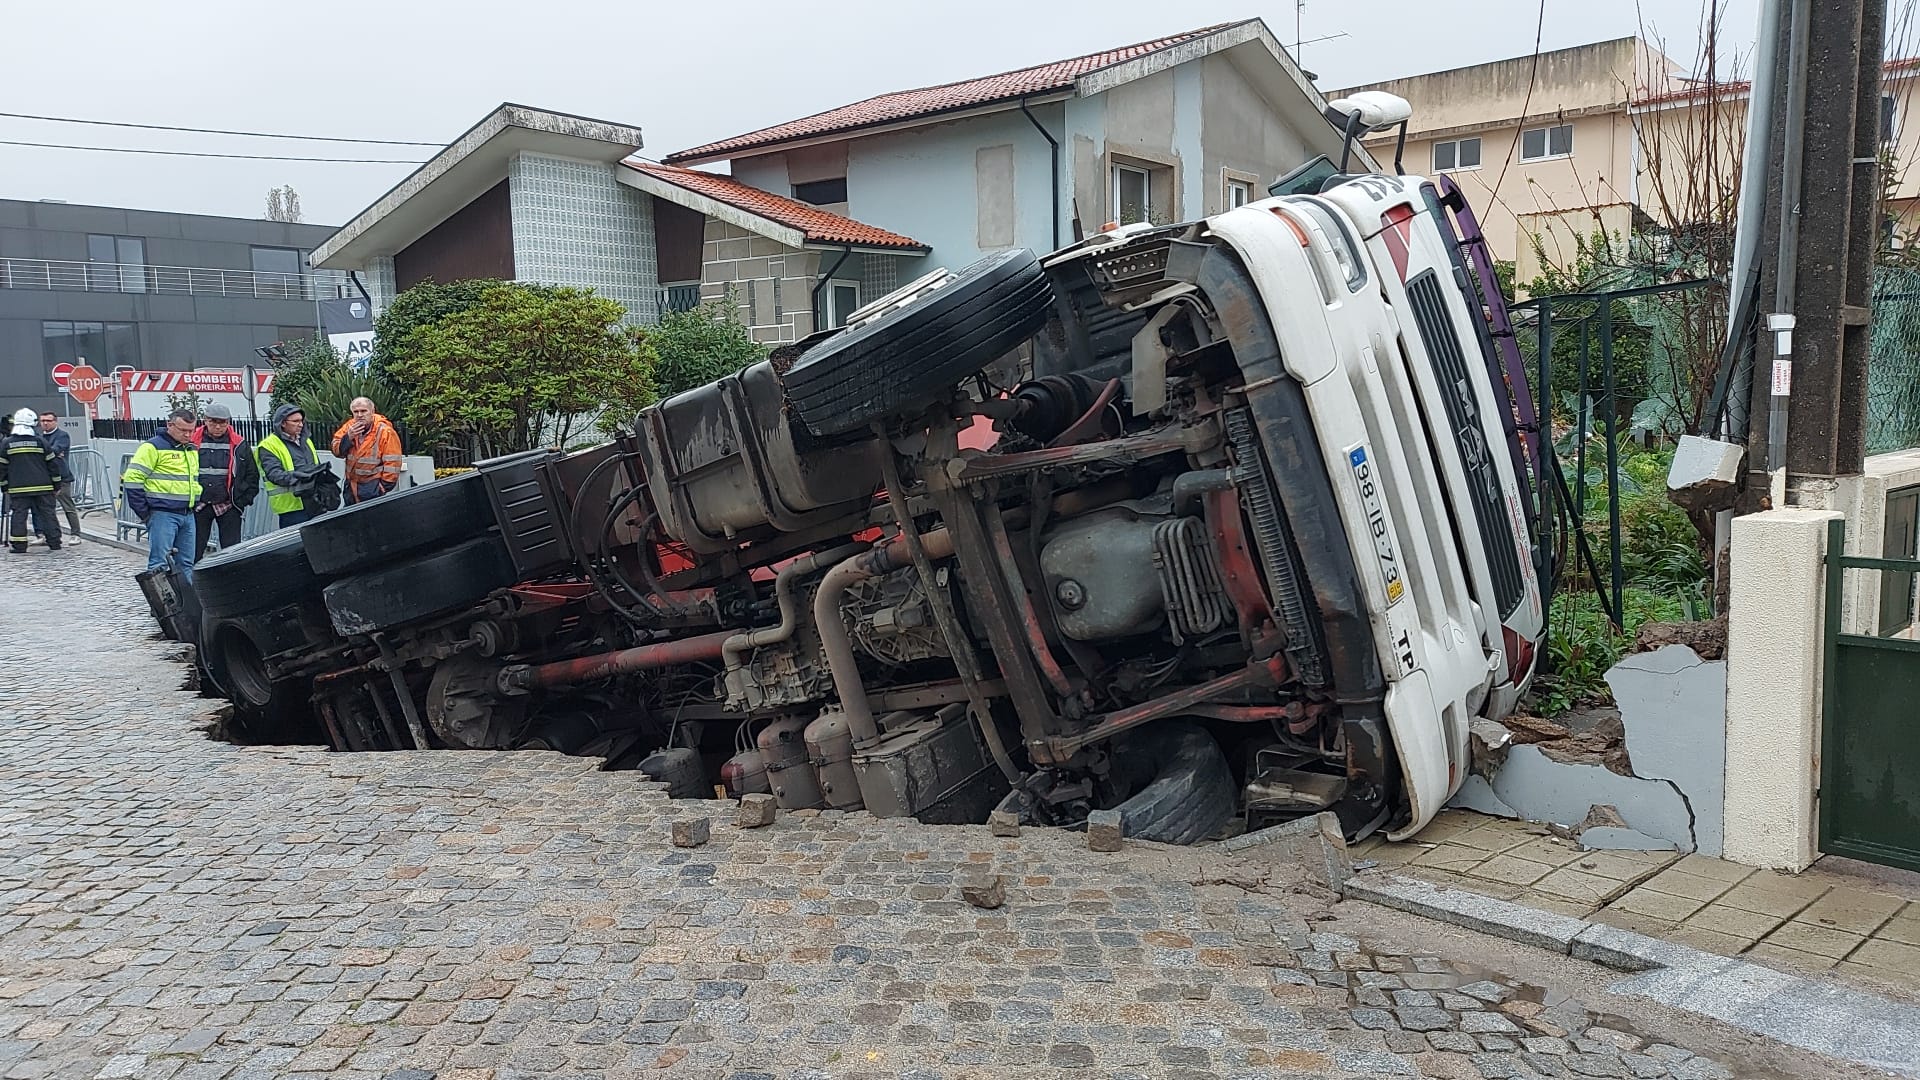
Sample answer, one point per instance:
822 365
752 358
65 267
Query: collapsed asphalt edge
1841 1022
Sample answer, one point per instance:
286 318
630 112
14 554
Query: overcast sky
685 73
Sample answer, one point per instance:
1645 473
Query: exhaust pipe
883 559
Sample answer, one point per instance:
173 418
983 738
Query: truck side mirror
1366 112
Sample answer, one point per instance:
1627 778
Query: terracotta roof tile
930 100
1735 88
819 226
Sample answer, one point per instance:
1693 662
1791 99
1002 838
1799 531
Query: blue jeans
170 531
295 517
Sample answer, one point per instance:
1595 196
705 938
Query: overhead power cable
1533 74
206 154
215 131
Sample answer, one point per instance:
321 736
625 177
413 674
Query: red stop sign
60 373
84 384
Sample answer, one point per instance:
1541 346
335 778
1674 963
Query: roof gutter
1053 145
821 283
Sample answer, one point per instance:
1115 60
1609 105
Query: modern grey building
145 289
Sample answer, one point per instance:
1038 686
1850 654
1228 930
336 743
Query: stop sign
60 373
84 384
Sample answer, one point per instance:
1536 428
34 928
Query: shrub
700 345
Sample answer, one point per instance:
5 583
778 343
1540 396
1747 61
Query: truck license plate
1363 476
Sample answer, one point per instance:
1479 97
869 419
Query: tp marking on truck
1377 523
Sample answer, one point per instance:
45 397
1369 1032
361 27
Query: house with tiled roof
1170 129
817 216
532 195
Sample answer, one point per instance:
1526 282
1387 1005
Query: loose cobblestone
173 906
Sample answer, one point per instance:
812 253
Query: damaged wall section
1658 785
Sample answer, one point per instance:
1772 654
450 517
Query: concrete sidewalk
1862 923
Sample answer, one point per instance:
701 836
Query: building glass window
1456 154
822 192
276 273
105 346
1539 144
1889 119
123 263
1239 194
1132 195
843 299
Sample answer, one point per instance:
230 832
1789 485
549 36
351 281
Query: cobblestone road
174 906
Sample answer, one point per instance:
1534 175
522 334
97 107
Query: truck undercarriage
878 570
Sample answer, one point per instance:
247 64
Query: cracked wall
1673 711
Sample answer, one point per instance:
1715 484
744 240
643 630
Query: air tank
830 746
789 773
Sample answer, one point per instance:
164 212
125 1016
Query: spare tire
260 574
407 520
911 355
1189 793
419 588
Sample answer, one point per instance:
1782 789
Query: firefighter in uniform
30 474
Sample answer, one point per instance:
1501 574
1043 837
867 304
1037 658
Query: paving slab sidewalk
1862 926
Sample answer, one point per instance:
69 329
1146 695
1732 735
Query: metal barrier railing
171 280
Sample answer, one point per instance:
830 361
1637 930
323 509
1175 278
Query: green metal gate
1870 740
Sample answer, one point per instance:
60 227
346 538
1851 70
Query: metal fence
59 274
251 430
1893 365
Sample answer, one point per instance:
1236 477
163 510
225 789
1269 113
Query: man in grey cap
229 477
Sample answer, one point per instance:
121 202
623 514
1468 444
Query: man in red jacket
229 478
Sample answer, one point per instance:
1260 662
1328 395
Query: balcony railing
171 280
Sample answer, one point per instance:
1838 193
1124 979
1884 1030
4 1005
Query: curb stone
1841 1022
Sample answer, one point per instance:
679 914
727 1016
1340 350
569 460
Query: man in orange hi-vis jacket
371 448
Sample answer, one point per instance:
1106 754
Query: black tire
260 574
420 588
265 710
909 357
1190 794
374 533
678 767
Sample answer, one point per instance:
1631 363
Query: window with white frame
1889 119
1132 195
1239 193
843 298
1456 154
1539 144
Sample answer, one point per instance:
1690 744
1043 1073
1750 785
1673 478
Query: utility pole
1821 276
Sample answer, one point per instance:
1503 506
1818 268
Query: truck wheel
910 356
265 710
419 588
260 574
1189 794
374 533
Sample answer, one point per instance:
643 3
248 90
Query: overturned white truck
1249 535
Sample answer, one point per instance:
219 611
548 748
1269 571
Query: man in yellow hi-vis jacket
162 484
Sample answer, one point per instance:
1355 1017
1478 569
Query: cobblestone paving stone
172 906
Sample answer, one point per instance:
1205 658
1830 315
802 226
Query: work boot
19 549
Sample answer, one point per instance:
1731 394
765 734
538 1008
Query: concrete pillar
1773 686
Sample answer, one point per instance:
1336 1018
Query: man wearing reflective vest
285 449
162 487
370 446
